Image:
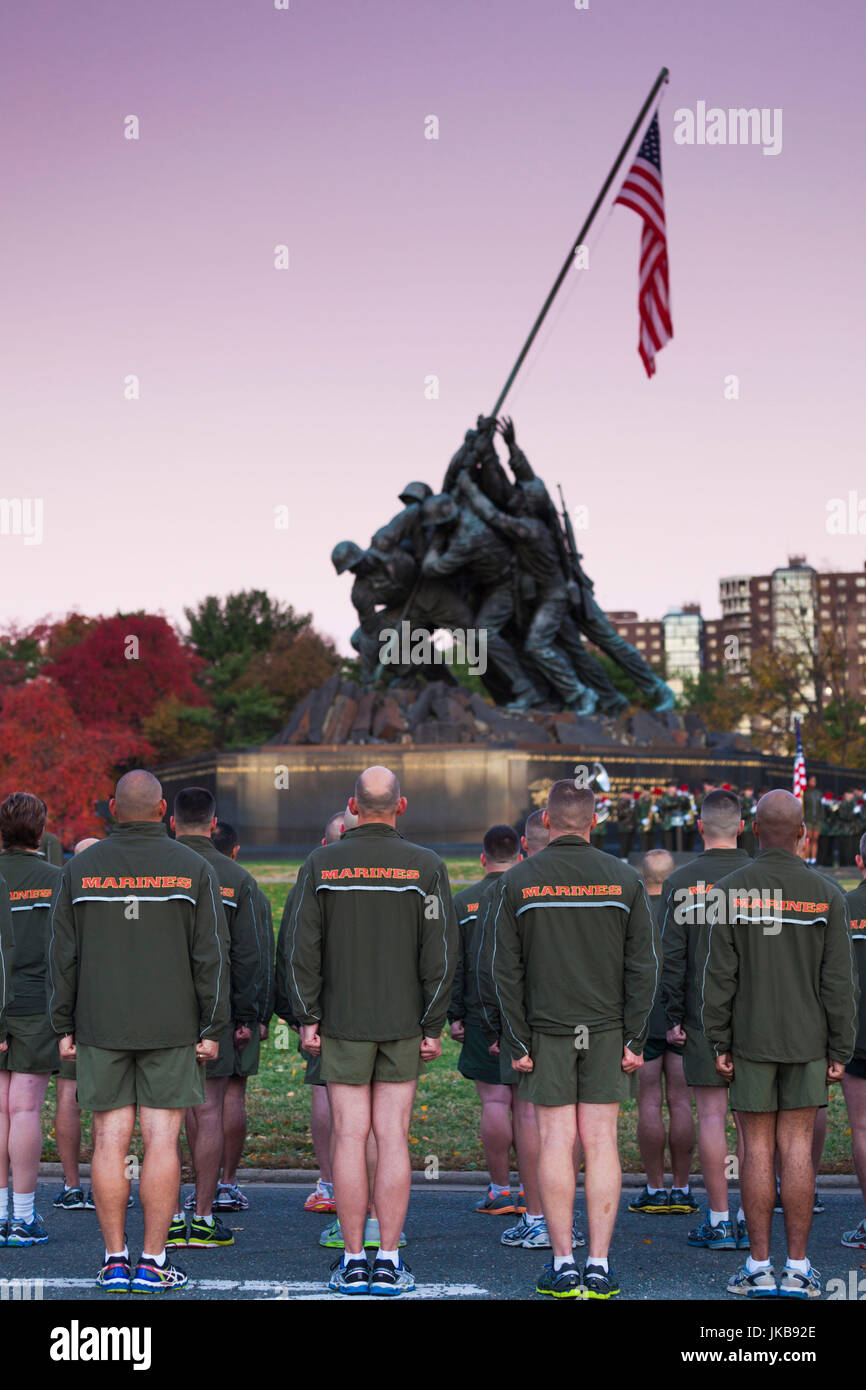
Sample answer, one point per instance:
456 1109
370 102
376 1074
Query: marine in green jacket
371 953
139 992
854 1080
7 956
575 965
779 1005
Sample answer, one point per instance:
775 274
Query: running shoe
577 1237
817 1205
70 1199
561 1283
189 1202
150 1277
115 1275
761 1284
515 1235
351 1278
598 1282
27 1232
651 1202
390 1280
203 1235
90 1205
520 1204
793 1284
711 1237
501 1205
778 1206
682 1203
321 1198
176 1233
332 1237
856 1239
372 1238
4 1230
743 1242
230 1198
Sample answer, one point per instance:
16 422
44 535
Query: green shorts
32 1045
768 1086
352 1063
67 1069
164 1078
699 1061
475 1061
564 1074
657 1047
313 1073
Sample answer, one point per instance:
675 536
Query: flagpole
662 78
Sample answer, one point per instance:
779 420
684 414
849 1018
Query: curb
452 1177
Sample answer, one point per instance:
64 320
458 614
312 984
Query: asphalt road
453 1252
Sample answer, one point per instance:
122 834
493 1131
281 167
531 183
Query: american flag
643 193
799 764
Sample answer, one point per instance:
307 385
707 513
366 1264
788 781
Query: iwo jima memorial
477 638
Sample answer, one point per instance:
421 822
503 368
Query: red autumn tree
122 667
45 749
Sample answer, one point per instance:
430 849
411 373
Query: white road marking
282 1290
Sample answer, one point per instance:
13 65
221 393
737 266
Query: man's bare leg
681 1135
392 1111
712 1107
854 1090
67 1131
497 1130
350 1120
160 1173
208 1143
371 1155
597 1125
758 1178
526 1143
557 1125
234 1127
112 1136
794 1136
5 1078
320 1128
819 1139
26 1095
651 1135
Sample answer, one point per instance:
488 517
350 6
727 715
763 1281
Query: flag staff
662 78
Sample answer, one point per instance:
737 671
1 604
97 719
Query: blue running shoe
761 1284
115 1275
150 1277
709 1237
27 1232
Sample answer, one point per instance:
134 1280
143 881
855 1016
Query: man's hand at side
430 1048
207 1050
631 1061
310 1040
725 1065
66 1047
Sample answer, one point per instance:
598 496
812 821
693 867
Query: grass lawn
445 1120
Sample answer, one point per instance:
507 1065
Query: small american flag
643 193
799 764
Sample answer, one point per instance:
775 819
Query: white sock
653 1190
529 1216
179 1216
157 1259
392 1255
347 1256
208 1220
741 1215
498 1191
717 1217
754 1265
4 1203
22 1206
559 1261
687 1189
598 1260
802 1266
116 1255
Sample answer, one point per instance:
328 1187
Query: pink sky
409 257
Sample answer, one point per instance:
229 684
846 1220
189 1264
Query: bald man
663 1062
138 992
779 1006
371 950
575 966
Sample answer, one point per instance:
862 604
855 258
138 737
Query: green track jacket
468 903
574 943
248 969
857 909
32 884
371 944
138 953
7 956
684 913
778 982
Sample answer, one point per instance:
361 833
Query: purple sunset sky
410 257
